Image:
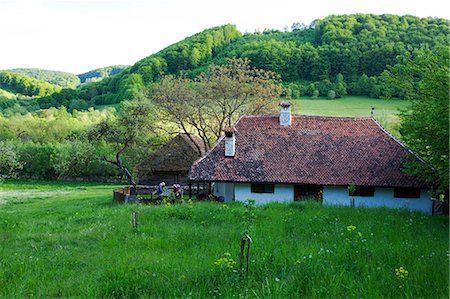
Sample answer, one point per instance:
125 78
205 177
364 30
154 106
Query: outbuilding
171 163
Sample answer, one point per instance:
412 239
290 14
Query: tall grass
78 244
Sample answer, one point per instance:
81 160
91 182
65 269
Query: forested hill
62 79
345 53
101 73
27 86
187 54
68 80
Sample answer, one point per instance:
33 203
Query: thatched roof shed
171 163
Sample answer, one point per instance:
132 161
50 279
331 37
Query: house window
363 191
263 188
407 192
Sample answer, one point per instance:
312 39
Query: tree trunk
119 164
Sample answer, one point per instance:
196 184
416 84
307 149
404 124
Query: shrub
9 162
315 94
331 94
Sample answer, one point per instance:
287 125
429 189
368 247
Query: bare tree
217 98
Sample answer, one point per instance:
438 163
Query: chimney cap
229 130
285 104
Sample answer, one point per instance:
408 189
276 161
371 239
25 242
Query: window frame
406 192
363 191
262 188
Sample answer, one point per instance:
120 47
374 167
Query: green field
69 240
385 110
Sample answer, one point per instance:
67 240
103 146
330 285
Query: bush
331 94
315 94
9 160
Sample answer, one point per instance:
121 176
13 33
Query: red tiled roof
313 150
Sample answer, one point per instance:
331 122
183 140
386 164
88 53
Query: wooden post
135 221
245 239
198 188
190 189
209 188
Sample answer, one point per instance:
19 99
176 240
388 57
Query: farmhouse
171 163
344 161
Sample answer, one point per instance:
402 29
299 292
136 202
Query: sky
80 35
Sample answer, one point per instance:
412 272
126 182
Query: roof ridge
400 143
309 116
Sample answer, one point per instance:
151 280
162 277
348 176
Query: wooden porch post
209 188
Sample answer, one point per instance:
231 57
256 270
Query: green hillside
101 73
347 54
27 86
62 79
189 53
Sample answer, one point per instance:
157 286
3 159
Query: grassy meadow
69 240
386 111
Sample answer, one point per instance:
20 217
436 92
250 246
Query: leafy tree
72 158
37 159
341 86
130 128
423 77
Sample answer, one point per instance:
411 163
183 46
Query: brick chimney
285 114
230 142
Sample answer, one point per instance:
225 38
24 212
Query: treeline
52 143
24 85
62 79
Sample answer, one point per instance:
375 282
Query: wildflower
402 276
351 228
225 262
401 272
